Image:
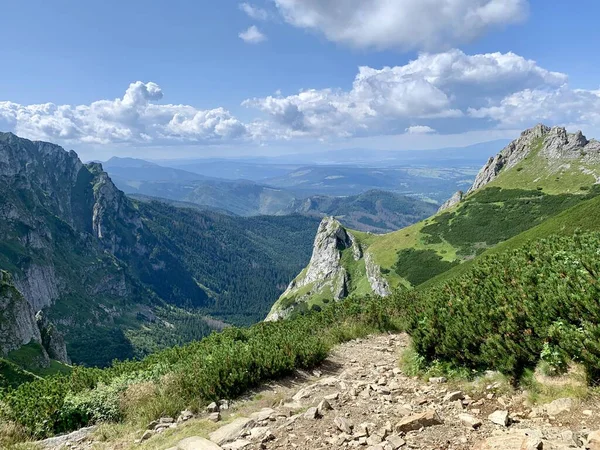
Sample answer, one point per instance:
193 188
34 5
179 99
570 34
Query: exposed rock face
18 326
456 198
553 143
39 285
511 155
325 273
379 285
52 340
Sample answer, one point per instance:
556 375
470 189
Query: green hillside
538 176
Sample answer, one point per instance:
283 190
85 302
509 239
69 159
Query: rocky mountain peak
552 143
325 273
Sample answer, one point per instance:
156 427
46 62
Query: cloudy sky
185 78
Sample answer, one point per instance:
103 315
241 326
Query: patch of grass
418 266
543 389
415 365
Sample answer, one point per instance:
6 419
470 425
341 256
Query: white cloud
433 95
134 118
387 100
254 12
560 106
402 24
252 35
419 129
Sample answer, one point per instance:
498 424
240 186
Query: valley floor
360 398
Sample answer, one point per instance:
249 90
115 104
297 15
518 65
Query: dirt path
359 398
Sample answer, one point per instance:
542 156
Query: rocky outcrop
455 199
552 143
510 156
325 275
39 284
52 340
324 271
18 326
379 284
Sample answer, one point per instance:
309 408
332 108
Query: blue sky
479 70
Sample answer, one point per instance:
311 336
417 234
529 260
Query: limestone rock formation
558 147
553 143
325 274
18 326
455 199
52 340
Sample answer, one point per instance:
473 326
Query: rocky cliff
73 243
19 326
327 275
552 144
17 318
112 275
548 158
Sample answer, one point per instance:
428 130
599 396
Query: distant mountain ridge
374 210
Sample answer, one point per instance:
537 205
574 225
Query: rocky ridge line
554 144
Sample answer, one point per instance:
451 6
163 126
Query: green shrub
503 311
222 365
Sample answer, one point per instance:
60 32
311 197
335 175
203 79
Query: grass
553 177
543 389
580 217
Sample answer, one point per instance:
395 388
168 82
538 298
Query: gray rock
499 418
417 421
455 199
311 413
323 407
240 444
197 443
558 406
212 407
379 284
343 425
469 420
263 415
325 272
453 396
231 431
18 325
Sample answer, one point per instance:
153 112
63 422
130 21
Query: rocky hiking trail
359 398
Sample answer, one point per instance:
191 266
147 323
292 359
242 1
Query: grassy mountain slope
493 212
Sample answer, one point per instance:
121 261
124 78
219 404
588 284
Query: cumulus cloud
254 12
134 118
449 85
559 106
419 129
449 92
252 35
402 24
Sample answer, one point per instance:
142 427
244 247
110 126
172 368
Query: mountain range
368 199
120 278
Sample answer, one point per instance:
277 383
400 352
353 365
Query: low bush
222 365
509 310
